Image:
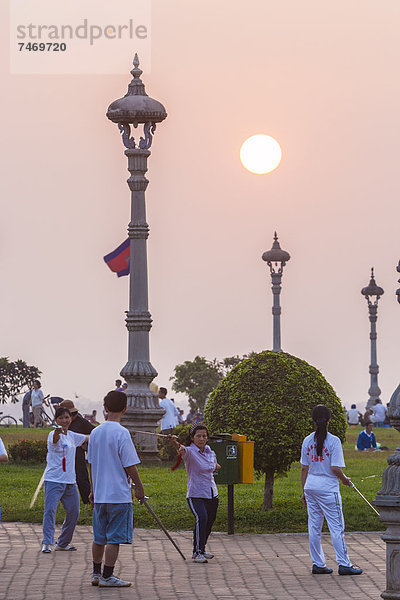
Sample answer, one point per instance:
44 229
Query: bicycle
7 421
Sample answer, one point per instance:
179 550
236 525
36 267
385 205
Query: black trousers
205 512
82 476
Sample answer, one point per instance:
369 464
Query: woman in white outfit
321 468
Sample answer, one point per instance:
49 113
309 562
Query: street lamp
276 259
143 410
388 501
372 294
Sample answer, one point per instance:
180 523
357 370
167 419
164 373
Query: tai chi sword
39 487
153 514
363 497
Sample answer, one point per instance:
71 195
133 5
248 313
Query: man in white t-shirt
113 459
168 422
353 416
3 458
379 413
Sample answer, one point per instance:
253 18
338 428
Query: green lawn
167 491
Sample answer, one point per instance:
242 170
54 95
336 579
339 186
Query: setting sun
260 154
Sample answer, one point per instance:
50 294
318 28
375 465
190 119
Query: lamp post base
388 502
145 420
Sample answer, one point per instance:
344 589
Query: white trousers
328 505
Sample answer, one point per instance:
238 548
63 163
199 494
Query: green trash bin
226 451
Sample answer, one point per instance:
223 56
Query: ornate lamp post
388 501
143 411
276 259
372 294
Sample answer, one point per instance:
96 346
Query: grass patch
167 492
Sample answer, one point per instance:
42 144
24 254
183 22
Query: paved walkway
248 567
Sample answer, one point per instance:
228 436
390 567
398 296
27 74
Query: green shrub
32 451
166 449
269 398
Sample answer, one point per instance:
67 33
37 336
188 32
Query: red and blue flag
118 259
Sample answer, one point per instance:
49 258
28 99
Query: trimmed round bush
269 397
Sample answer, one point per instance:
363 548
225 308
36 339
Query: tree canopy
269 398
15 377
197 378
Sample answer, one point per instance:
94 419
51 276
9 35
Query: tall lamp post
388 501
372 294
143 411
276 259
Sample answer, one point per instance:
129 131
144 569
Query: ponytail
321 415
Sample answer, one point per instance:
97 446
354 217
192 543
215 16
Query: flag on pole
118 259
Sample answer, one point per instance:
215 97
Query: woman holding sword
60 482
321 468
202 493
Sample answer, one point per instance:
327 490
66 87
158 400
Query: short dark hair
60 411
115 401
118 382
368 423
163 390
194 428
353 406
37 383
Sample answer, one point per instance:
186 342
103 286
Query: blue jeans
67 493
205 511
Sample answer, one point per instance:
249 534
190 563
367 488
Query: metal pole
374 390
276 310
231 509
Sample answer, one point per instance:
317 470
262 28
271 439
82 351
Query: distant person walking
321 468
37 399
26 403
3 458
168 421
92 418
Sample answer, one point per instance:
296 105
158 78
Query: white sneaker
113 582
208 555
95 578
67 548
46 548
200 558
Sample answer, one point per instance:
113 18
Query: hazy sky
321 78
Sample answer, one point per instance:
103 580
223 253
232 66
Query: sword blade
35 495
364 498
153 514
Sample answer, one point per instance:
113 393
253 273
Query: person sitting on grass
366 439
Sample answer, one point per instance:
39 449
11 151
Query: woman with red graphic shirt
60 482
321 468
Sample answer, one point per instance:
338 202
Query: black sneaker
353 570
321 570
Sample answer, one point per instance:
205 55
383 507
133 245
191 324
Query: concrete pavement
249 567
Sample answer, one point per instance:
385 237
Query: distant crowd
38 410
